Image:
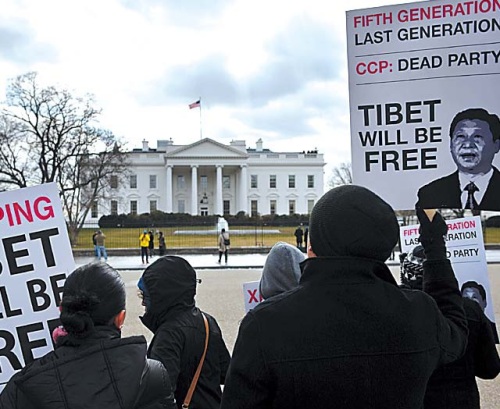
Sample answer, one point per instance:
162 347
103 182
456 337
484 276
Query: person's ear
496 142
119 319
310 252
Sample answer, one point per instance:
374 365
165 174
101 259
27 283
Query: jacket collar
345 270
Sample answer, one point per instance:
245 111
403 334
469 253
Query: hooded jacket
179 332
102 371
281 270
347 338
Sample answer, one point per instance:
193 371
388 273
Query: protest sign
35 258
412 68
251 295
465 249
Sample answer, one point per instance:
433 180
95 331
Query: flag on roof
195 104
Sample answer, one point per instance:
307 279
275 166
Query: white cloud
274 70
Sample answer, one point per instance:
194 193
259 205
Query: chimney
145 145
259 145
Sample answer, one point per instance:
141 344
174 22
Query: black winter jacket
179 333
347 338
454 386
103 371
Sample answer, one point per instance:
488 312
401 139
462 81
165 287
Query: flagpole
201 135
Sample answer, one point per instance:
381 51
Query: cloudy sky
270 69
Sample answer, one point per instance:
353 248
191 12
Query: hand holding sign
432 231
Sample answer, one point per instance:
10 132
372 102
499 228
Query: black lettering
12 255
6 351
426 158
56 288
36 294
6 304
44 236
28 346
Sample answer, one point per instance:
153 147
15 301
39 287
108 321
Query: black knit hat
351 220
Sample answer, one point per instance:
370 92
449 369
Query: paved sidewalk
209 261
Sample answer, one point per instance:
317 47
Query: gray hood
281 270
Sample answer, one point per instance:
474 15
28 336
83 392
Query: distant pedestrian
94 243
161 244
100 247
224 243
299 234
151 245
306 236
144 243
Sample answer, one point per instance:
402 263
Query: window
291 207
226 207
226 182
291 181
203 183
181 206
133 207
310 181
253 181
153 206
181 182
272 181
310 205
113 182
253 208
133 181
152 181
94 211
114 207
272 207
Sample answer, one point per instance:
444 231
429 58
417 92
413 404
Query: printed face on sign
474 295
472 146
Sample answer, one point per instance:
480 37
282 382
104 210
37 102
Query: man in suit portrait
474 142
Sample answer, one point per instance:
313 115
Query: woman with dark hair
91 366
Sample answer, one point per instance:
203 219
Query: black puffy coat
454 386
179 332
102 371
347 338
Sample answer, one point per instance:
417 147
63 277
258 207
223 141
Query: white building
227 179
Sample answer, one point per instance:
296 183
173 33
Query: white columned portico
194 190
218 191
243 189
168 193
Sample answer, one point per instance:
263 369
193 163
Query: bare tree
49 135
341 175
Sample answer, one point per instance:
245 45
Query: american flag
195 104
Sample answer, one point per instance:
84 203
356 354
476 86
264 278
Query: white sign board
35 258
465 249
412 68
251 295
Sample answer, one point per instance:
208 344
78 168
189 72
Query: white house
207 177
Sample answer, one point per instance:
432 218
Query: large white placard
465 249
412 68
35 258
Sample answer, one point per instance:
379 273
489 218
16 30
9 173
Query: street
221 295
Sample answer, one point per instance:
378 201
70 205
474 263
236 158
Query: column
243 189
169 198
194 190
218 191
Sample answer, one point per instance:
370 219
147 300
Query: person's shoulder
440 182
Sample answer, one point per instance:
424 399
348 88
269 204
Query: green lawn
129 237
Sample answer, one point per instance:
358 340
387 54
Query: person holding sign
454 385
348 337
92 366
475 185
